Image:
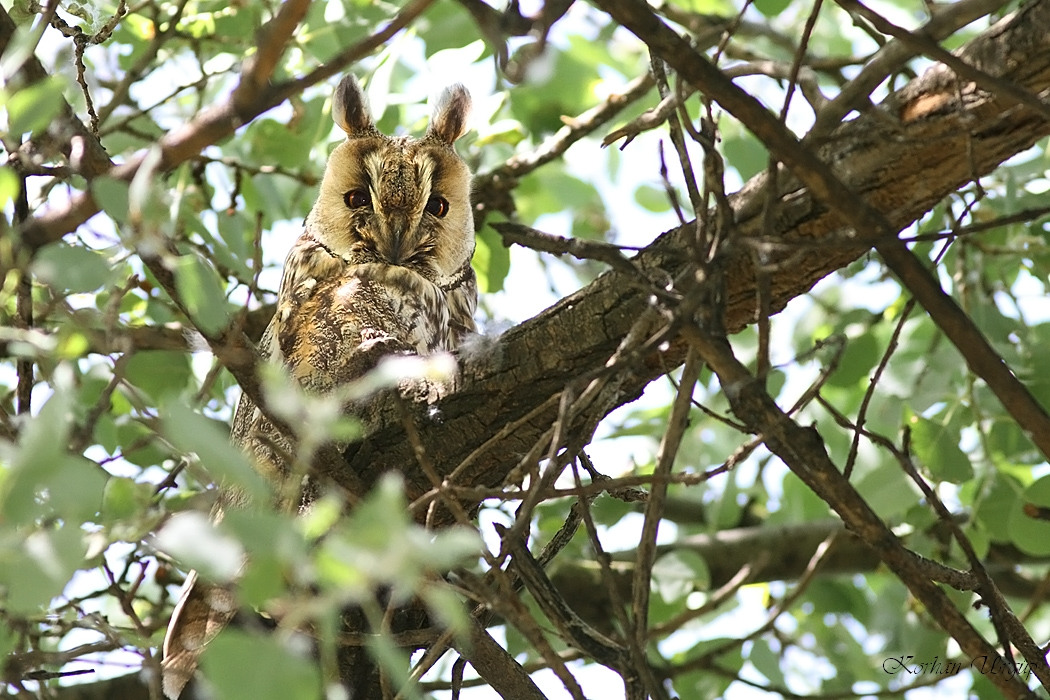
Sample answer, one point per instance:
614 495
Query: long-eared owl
381 267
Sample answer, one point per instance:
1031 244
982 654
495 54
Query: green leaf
744 152
272 141
393 660
772 8
9 186
888 491
701 683
859 357
679 573
194 434
491 261
448 608
263 581
652 199
202 292
379 544
45 562
996 506
937 444
41 477
243 665
238 237
709 7
32 108
191 538
266 533
837 596
124 498
71 269
767 662
112 197
1029 523
139 445
160 373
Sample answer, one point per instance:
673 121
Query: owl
382 267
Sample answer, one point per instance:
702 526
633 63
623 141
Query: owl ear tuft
451 114
350 108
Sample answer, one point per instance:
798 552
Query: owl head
397 200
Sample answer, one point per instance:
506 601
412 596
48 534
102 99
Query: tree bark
921 144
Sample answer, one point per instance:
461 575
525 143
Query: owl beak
398 225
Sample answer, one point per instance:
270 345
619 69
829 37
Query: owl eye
355 199
437 206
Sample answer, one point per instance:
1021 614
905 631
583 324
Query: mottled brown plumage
382 267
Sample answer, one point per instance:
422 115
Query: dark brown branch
803 451
515 381
611 255
946 21
677 422
498 668
25 366
868 222
573 629
969 341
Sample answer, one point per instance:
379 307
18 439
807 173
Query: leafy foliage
119 368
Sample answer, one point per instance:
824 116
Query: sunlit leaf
39 568
679 573
9 186
71 268
195 434
239 664
491 261
201 290
937 445
31 109
123 498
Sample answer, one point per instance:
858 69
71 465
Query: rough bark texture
922 143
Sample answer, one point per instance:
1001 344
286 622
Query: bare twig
862 216
676 426
923 44
947 20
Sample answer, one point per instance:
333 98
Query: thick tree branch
866 220
803 451
496 666
517 379
272 40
